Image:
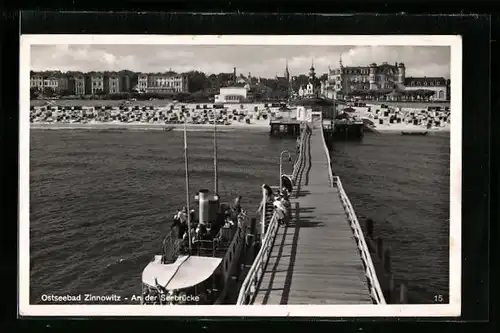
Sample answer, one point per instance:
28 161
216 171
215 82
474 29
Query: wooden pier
341 129
287 127
321 257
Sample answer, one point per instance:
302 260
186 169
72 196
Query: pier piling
380 247
369 228
387 260
403 294
391 288
382 259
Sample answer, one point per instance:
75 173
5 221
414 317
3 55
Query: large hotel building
169 82
77 83
384 78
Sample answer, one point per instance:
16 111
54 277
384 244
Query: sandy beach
378 119
398 128
136 116
259 125
118 115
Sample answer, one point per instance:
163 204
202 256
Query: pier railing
373 283
249 287
327 152
297 167
300 158
250 284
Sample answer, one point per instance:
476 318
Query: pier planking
315 260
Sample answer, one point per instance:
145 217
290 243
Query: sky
260 61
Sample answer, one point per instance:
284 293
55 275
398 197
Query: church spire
340 61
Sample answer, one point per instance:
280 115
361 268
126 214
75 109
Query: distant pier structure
343 129
335 125
287 127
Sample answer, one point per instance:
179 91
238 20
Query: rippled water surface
102 200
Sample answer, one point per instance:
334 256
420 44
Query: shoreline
208 127
144 126
399 129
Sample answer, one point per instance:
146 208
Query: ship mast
216 180
187 182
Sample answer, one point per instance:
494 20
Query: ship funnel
203 206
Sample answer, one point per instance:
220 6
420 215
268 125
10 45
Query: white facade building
231 95
162 83
436 84
304 114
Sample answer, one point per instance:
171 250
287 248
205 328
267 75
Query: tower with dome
312 88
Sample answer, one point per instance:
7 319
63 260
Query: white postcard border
455 262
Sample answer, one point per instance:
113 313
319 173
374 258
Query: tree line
200 85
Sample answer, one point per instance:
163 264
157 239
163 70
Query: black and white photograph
168 175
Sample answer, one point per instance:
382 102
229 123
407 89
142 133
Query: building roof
186 271
425 81
384 68
387 69
236 86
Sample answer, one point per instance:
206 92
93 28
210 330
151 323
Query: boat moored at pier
196 267
200 255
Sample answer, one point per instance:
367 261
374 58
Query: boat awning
186 271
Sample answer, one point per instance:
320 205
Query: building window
425 83
438 83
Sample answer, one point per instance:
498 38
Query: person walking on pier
281 209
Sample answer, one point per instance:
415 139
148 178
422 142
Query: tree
34 92
299 81
64 92
182 96
48 92
196 81
224 78
100 92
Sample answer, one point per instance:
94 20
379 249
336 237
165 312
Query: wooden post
391 290
403 294
387 260
369 228
380 247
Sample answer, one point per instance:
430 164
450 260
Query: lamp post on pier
281 165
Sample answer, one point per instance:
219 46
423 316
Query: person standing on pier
269 198
281 209
236 208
